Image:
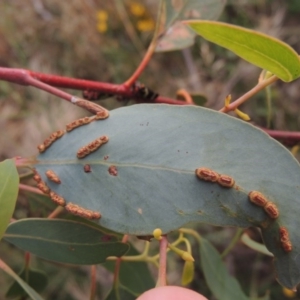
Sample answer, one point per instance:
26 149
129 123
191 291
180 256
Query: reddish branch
48 82
27 77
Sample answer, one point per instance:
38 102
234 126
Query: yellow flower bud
187 256
187 273
242 115
157 233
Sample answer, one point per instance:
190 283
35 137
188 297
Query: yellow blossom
102 15
145 25
102 27
288 293
137 9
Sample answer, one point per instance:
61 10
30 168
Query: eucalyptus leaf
28 289
154 151
9 187
35 278
255 245
222 285
255 47
64 241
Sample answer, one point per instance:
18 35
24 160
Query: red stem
287 136
162 271
93 282
118 263
27 77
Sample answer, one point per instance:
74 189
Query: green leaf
64 241
30 291
255 47
120 293
36 279
140 279
221 283
178 36
255 245
9 187
156 149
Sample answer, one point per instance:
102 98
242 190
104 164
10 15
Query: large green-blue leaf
9 187
156 149
257 48
64 241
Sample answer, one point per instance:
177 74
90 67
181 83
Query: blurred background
105 41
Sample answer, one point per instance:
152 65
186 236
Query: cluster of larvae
255 197
212 176
272 210
82 121
82 152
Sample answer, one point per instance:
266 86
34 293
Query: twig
29 188
162 271
93 282
260 86
56 212
20 76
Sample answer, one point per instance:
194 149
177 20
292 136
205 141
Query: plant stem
29 188
118 263
150 49
93 282
56 212
20 76
233 242
260 86
162 271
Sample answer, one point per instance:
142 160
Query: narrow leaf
30 291
221 283
64 241
255 47
255 245
36 279
9 186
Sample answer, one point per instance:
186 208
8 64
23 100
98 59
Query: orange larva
50 140
43 187
100 115
52 176
284 235
207 174
226 181
41 148
57 199
77 123
285 239
287 246
272 210
82 212
37 178
92 146
258 198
